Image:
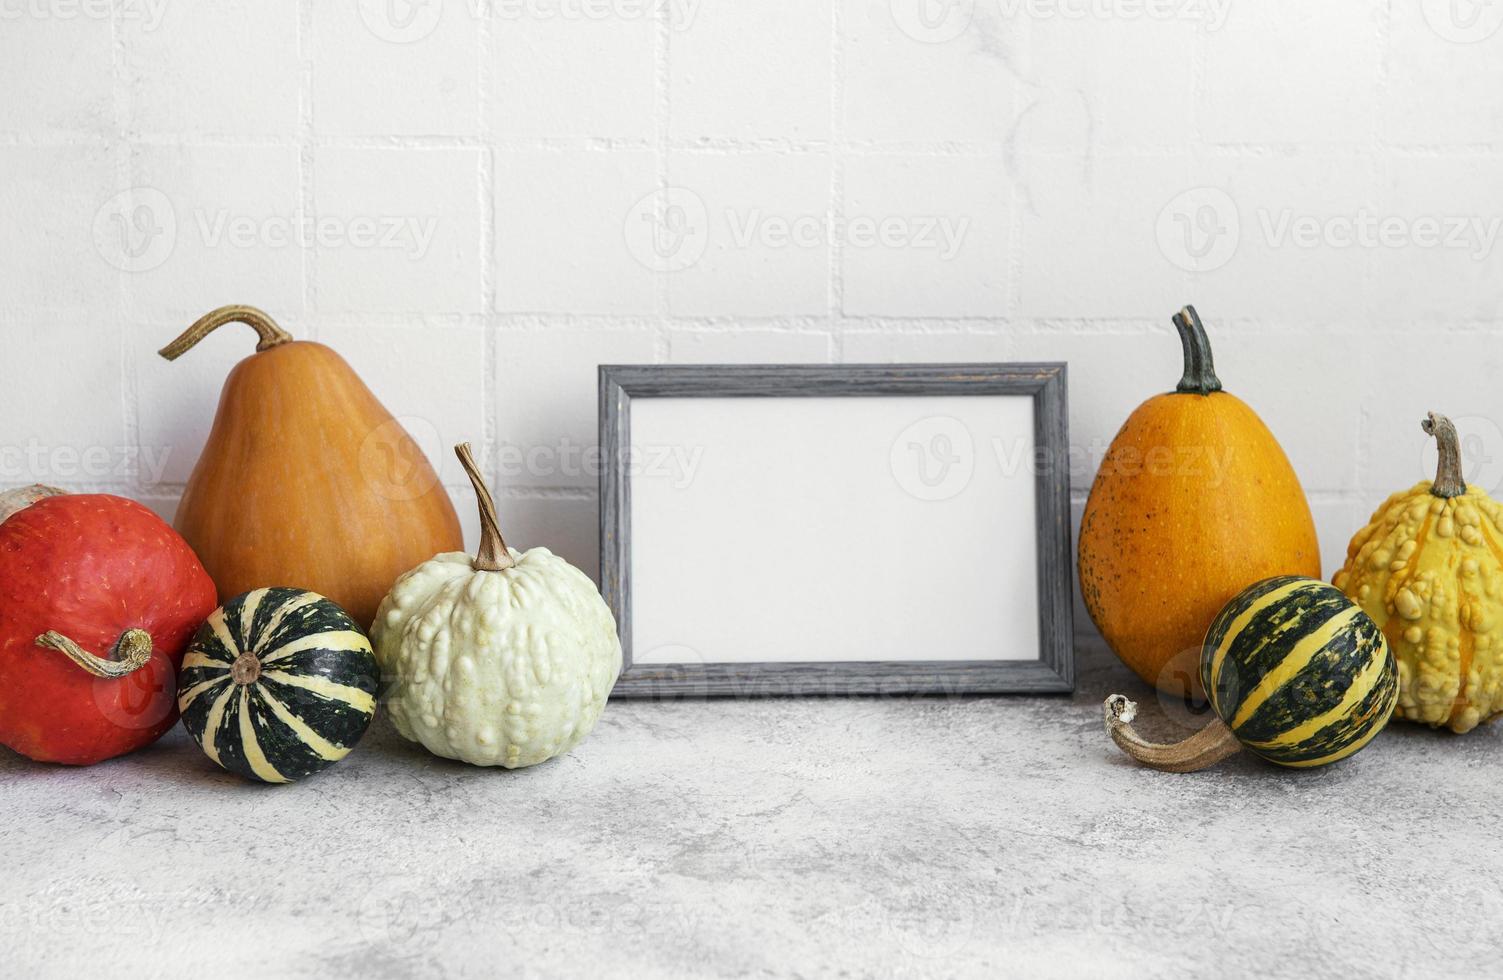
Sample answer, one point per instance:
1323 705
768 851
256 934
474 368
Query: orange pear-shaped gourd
306 480
1194 501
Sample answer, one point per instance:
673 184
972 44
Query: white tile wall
238 76
478 201
397 229
230 215
385 69
57 75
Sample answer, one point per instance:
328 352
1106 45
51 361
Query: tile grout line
130 395
1012 168
835 261
305 158
490 384
662 108
733 145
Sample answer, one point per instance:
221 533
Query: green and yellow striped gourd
1295 672
278 684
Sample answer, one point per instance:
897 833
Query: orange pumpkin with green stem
1194 501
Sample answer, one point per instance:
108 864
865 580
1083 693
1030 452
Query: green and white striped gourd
278 684
1296 673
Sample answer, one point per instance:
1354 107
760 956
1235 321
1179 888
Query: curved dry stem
1448 481
493 555
1205 748
266 329
129 654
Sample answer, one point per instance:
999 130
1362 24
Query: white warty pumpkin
504 659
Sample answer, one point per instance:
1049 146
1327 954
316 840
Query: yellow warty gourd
1428 568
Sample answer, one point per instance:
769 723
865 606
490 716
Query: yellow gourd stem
493 555
266 328
129 654
1448 481
1203 749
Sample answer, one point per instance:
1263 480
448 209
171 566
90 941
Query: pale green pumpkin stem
1203 749
493 555
1448 481
129 654
266 328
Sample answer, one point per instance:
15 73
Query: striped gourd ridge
1298 672
278 684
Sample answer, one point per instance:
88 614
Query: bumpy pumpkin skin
1429 571
1194 501
306 480
496 668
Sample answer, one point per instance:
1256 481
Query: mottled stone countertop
863 837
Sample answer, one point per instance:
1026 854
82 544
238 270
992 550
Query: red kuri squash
98 600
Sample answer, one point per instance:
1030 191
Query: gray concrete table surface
850 838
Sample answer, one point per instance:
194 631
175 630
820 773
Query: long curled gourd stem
1200 371
493 555
1203 749
129 654
1448 481
266 329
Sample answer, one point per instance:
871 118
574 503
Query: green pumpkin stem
130 653
1203 749
1200 373
493 555
266 329
1448 481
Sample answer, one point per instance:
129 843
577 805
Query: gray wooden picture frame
1045 383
